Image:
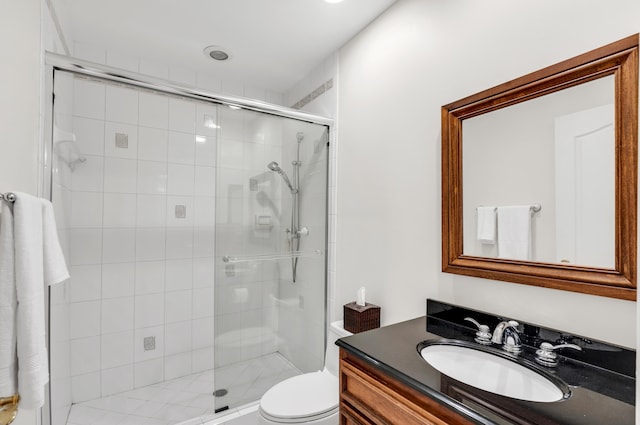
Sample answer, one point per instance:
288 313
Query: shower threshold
187 399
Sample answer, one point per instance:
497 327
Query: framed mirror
539 177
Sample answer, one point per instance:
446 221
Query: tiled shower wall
141 238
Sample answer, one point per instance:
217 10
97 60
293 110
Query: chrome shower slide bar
271 257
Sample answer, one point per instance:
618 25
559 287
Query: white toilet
310 398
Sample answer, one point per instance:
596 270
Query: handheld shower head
274 166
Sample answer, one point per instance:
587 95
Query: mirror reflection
539 178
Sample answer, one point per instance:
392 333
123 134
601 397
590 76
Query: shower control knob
304 231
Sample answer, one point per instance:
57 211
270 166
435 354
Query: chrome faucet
506 334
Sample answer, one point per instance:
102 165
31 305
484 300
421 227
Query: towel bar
9 197
8 409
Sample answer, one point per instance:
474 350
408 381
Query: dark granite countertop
598 396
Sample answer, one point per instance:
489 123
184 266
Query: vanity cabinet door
370 396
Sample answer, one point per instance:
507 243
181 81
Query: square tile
206 150
85 282
207 122
152 144
202 333
118 280
205 181
89 135
120 175
150 243
154 110
180 180
89 177
83 388
120 140
88 209
202 359
119 210
204 214
117 380
204 243
178 306
85 319
142 354
117 315
85 355
203 272
150 277
121 105
182 148
118 245
151 210
179 274
182 115
117 349
177 365
179 242
180 211
177 337
149 310
152 177
89 99
149 372
203 303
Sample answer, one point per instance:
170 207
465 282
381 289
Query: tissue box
359 318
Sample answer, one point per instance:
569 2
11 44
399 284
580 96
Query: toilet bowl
310 398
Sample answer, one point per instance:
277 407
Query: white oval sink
478 367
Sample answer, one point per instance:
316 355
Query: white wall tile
156 332
182 148
86 210
118 280
85 319
150 277
182 115
86 246
113 130
230 154
207 81
177 337
117 315
202 333
89 99
121 105
206 150
120 175
118 245
204 214
119 210
152 144
205 181
178 306
151 211
154 110
180 180
179 274
202 359
203 303
177 365
117 380
149 310
203 272
152 177
150 243
85 387
182 75
89 176
89 135
149 372
117 349
207 122
85 355
204 240
85 282
179 242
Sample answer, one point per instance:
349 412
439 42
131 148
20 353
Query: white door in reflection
585 182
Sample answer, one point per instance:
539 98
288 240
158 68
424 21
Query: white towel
38 261
514 232
486 225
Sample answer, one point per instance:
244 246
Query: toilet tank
331 359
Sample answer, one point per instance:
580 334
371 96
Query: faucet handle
483 336
546 355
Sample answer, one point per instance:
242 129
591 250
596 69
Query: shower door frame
56 62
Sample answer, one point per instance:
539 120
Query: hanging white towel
8 306
514 232
486 218
38 261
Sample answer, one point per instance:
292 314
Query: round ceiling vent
217 53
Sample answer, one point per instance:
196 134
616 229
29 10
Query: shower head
274 166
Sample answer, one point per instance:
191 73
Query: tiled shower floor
171 402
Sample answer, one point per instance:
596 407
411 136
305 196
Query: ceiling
273 43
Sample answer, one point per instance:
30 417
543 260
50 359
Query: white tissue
360 297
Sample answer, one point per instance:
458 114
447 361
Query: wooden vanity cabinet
370 396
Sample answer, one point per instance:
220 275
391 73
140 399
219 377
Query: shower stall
194 227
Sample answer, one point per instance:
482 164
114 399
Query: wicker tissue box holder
359 318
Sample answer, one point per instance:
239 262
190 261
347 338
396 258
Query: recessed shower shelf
272 257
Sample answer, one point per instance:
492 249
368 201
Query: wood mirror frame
619 59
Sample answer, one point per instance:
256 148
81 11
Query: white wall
389 199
